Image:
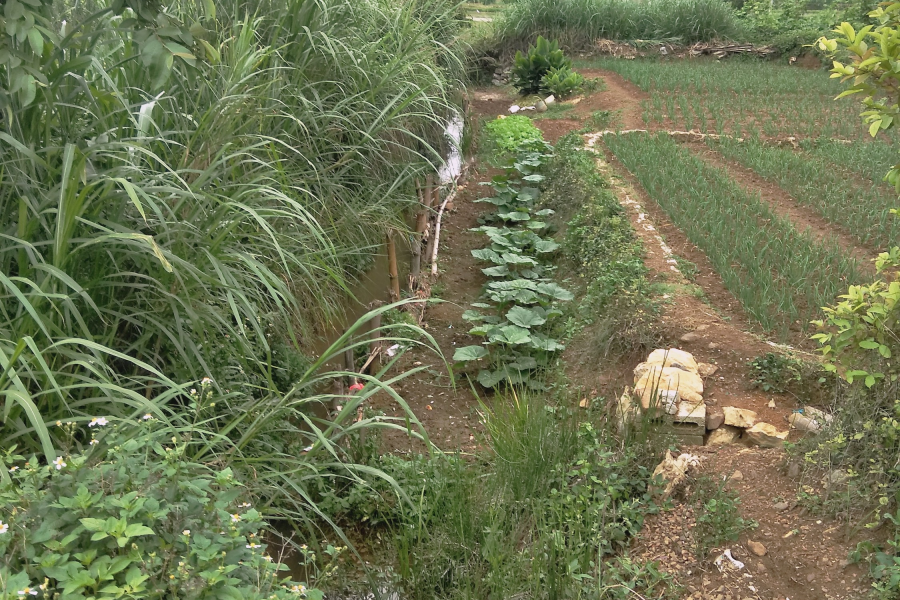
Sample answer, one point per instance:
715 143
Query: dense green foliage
505 137
605 259
554 478
186 193
142 226
579 23
530 67
520 297
563 82
132 516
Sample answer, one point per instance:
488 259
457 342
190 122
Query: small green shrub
562 82
130 516
602 252
531 67
717 514
884 561
773 372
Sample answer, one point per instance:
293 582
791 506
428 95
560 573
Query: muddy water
373 286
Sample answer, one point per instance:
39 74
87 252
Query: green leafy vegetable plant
530 67
505 136
520 301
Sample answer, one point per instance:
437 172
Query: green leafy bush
131 516
616 310
774 372
521 298
531 67
562 82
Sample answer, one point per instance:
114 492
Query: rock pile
501 76
669 386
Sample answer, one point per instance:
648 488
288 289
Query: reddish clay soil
805 556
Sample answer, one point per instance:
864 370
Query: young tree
859 335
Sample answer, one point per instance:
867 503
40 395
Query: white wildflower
59 462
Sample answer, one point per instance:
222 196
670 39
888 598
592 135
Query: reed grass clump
579 23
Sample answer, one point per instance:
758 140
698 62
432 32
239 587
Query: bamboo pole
419 234
433 196
375 333
392 268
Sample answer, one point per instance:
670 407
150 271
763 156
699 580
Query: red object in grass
356 387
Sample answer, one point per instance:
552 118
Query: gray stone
690 337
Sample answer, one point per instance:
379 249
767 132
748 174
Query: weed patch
602 253
717 514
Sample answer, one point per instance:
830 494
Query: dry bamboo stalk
437 232
374 334
418 237
392 268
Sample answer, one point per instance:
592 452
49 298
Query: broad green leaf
93 524
137 529
468 353
497 271
554 291
526 317
491 379
510 334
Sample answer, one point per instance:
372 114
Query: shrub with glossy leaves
531 67
563 82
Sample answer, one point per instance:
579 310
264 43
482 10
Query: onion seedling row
743 99
861 207
780 275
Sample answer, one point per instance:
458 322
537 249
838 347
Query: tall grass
579 23
156 231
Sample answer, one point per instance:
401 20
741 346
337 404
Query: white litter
392 350
720 560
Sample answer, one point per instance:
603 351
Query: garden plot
742 99
780 275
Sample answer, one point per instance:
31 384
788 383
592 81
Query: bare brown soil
806 555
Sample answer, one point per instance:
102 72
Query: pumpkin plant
520 301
